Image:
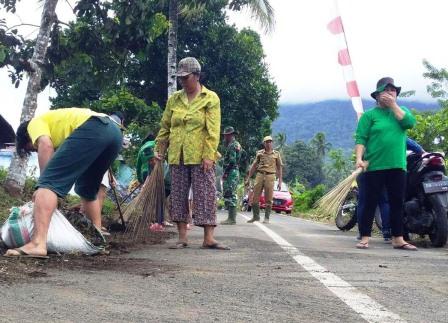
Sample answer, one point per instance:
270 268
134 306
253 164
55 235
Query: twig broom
330 203
149 204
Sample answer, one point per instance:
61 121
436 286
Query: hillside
336 118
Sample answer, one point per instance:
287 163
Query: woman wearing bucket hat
381 152
191 125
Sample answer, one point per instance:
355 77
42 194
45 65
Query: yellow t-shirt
59 124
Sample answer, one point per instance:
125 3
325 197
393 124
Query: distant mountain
336 118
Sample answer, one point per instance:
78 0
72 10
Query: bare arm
45 151
252 170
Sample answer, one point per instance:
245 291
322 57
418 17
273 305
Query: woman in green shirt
381 152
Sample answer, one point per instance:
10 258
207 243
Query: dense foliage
104 55
116 50
431 130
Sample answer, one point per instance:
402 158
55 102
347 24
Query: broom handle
358 171
116 199
163 144
129 195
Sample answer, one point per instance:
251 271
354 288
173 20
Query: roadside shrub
3 174
220 204
108 208
305 200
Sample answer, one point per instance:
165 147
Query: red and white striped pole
336 27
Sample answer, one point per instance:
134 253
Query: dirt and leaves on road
117 258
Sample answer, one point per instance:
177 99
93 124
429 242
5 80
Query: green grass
7 201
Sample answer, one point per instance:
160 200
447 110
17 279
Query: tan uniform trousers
266 182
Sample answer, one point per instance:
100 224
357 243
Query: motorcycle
245 206
346 217
426 201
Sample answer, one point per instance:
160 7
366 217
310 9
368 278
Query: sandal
215 246
362 245
406 246
23 254
179 245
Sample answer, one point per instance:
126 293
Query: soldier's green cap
229 131
187 66
267 138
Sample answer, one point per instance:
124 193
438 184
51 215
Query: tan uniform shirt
268 162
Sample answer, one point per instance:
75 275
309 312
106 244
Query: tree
439 87
16 175
337 168
320 144
172 46
302 164
280 140
100 54
261 10
431 130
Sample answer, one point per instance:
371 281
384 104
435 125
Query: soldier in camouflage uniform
232 154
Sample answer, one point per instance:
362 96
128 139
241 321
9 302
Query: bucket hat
381 86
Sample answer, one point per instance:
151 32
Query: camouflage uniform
231 178
231 173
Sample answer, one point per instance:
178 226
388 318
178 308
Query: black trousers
394 181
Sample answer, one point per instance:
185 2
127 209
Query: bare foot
30 249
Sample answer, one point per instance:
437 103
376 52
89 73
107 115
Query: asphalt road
291 270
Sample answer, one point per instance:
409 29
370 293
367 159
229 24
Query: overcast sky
385 38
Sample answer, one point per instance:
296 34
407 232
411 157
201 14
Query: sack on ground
62 235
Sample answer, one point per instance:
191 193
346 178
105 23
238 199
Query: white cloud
385 38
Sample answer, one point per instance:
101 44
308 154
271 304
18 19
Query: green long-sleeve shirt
145 153
384 138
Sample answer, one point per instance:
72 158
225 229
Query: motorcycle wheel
378 220
438 236
346 216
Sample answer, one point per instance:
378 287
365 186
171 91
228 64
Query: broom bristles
146 207
330 203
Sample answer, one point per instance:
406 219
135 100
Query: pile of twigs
148 207
330 203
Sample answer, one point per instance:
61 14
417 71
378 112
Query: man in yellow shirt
74 146
268 164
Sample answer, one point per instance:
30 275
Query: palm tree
17 170
320 144
261 10
280 140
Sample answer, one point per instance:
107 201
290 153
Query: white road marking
369 309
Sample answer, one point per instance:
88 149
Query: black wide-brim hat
229 131
381 86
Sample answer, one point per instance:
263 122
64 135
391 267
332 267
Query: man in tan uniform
268 165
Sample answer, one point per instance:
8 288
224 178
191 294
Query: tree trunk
17 170
172 46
